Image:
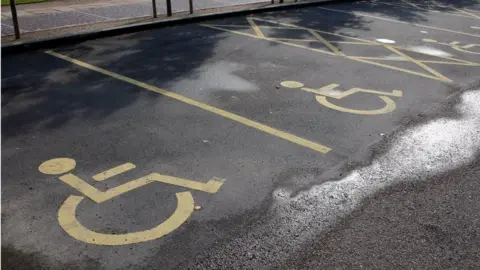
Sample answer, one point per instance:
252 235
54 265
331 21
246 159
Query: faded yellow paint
395 68
328 44
389 106
291 84
468 13
455 45
255 28
67 212
57 166
420 64
240 119
432 73
98 196
113 171
426 9
462 49
402 22
69 222
323 92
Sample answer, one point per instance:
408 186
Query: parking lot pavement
265 141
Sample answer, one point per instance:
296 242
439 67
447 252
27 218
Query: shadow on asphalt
41 92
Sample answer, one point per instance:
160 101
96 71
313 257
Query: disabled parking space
144 149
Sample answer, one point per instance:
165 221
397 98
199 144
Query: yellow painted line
212 186
113 171
451 63
98 196
471 46
294 39
249 26
468 13
471 10
395 68
318 31
422 8
328 44
429 69
355 43
330 53
442 57
324 91
397 21
69 222
389 106
269 39
382 58
231 31
255 28
240 119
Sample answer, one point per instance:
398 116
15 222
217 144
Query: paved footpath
338 136
57 14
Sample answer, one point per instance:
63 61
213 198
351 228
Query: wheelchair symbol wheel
69 222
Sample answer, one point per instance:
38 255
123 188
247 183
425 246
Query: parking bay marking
334 51
240 119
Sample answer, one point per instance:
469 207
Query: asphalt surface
394 189
53 17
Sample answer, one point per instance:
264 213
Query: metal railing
154 12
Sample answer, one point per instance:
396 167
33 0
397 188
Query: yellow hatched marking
318 31
397 21
328 44
394 68
255 28
357 41
269 39
113 171
237 118
422 8
468 13
429 69
442 57
449 63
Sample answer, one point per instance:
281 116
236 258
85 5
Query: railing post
190 3
169 8
154 8
13 10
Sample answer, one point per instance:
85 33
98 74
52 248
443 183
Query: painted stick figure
67 212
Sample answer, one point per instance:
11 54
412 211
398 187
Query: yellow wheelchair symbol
67 212
324 92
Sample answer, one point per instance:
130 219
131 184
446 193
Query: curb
19 47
